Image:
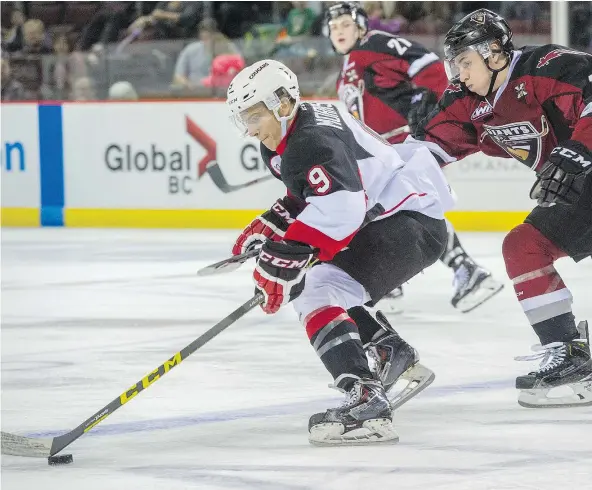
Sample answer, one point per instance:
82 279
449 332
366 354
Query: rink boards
143 164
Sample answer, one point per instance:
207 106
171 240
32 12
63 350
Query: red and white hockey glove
563 175
280 272
270 225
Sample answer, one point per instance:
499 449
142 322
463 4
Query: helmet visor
461 59
248 120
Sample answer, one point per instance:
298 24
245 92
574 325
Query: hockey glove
562 176
423 103
270 225
280 271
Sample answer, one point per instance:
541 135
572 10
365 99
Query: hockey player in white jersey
368 215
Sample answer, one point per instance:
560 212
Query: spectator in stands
14 37
61 70
34 41
521 15
224 68
11 89
376 19
83 89
122 91
298 25
580 33
194 62
169 20
300 19
106 24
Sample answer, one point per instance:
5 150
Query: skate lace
351 398
461 277
552 355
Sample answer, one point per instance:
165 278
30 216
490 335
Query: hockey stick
215 173
46 447
228 265
396 132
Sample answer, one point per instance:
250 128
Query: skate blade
487 289
580 396
418 378
374 431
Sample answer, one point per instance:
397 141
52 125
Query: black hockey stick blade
228 265
217 176
43 448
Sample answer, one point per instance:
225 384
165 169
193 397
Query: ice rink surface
86 313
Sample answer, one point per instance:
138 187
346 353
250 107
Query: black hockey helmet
477 31
358 14
478 27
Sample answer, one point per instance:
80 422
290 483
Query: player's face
473 71
262 124
344 33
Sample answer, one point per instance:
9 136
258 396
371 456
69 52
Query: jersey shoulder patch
454 91
548 60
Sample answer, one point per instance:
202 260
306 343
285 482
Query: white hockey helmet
260 83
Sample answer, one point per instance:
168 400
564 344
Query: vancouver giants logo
556 53
521 140
483 109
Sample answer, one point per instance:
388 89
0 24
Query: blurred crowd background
130 50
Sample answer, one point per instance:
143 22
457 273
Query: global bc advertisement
161 156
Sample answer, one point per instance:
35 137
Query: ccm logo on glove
571 155
283 263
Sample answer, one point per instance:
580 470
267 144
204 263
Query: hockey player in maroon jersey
533 104
373 216
383 80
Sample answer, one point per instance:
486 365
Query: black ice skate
363 418
473 285
565 367
392 359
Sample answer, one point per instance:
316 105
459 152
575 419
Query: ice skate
363 418
473 285
394 360
564 377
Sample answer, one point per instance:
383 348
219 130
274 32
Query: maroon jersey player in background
383 80
533 104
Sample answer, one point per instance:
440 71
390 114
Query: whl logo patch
483 109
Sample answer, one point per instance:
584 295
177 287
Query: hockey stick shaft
36 447
220 181
228 265
396 132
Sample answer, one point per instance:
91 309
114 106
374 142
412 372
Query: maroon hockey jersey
546 100
380 76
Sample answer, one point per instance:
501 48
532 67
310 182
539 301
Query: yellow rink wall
148 164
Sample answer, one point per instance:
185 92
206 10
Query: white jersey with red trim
343 176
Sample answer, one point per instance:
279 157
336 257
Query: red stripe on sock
321 317
538 286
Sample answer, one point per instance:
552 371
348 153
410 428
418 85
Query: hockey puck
62 459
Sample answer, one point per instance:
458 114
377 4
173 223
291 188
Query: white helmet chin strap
284 120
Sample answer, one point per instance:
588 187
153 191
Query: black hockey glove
563 175
423 103
270 225
280 271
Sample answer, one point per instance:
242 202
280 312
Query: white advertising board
152 156
20 156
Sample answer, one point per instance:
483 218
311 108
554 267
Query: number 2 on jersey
400 44
319 180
